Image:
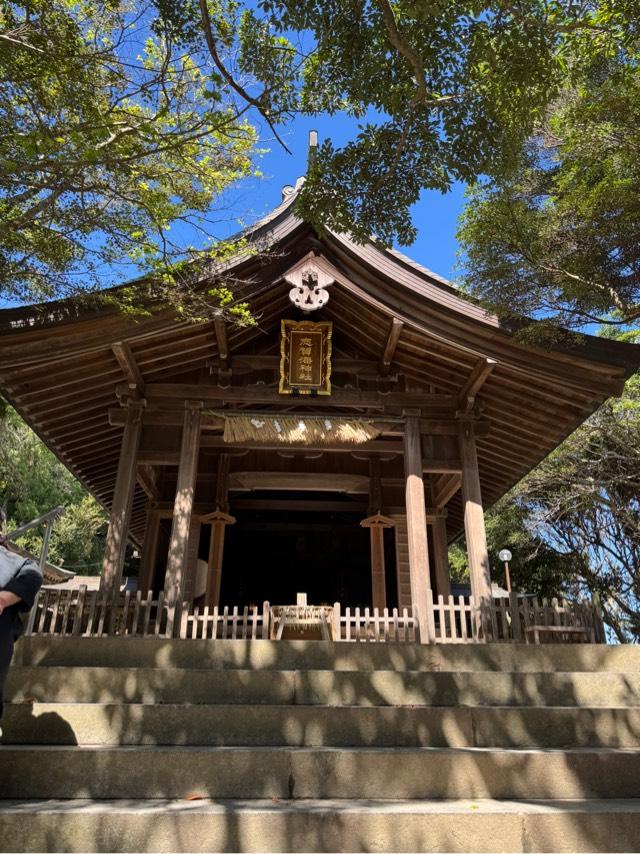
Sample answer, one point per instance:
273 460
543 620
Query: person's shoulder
14 560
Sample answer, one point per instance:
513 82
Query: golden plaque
305 357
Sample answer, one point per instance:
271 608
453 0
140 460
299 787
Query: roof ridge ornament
309 279
290 190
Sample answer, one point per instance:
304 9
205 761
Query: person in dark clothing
20 580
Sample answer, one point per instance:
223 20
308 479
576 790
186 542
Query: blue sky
435 215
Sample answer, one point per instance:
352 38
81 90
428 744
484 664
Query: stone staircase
116 744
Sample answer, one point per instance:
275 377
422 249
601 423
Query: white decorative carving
309 281
291 189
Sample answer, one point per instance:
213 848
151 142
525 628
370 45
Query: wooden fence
517 619
369 624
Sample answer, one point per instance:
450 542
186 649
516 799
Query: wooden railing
518 619
224 623
371 625
88 613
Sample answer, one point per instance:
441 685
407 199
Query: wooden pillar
149 549
191 566
118 530
421 601
376 525
183 506
474 521
219 522
441 554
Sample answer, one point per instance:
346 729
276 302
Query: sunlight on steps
158 745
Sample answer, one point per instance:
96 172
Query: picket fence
517 619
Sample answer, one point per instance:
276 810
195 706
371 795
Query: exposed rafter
390 347
475 381
147 478
126 360
445 488
221 339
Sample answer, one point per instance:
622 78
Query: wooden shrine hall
337 447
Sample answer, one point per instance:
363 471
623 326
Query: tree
442 91
536 567
559 238
573 524
115 144
32 482
584 501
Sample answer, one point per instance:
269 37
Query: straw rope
297 430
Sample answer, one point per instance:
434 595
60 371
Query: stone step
285 772
310 825
324 687
318 726
318 655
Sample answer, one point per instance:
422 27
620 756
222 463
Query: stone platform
114 744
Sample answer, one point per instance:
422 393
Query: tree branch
240 90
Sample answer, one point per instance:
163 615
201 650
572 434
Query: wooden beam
441 466
155 417
148 457
303 505
473 384
126 360
259 394
449 427
242 363
417 530
147 478
164 418
307 481
446 488
393 337
118 529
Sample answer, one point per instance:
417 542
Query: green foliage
32 482
559 237
573 524
115 144
535 568
585 501
441 91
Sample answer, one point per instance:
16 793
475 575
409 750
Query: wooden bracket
390 346
473 384
218 516
125 358
378 521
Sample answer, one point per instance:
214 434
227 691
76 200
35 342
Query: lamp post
505 556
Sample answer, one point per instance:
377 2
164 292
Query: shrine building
336 448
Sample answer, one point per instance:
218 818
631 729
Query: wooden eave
58 365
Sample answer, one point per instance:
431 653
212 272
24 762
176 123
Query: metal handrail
46 519
35 523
